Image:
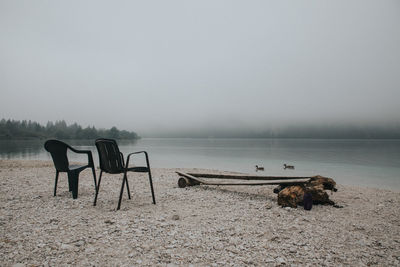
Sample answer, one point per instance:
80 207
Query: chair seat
132 169
138 169
77 167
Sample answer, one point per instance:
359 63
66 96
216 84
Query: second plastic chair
112 162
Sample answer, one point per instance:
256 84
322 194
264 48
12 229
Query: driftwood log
190 179
290 190
291 196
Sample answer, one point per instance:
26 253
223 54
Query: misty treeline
12 129
391 131
340 132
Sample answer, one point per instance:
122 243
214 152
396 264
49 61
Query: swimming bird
259 168
288 167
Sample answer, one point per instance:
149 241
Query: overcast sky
161 66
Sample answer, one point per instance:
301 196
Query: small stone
66 247
80 243
175 217
90 249
275 238
269 260
280 260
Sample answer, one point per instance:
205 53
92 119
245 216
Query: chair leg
94 177
55 185
74 181
151 187
127 187
122 191
70 182
97 189
151 181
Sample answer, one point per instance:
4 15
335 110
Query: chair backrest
109 156
58 151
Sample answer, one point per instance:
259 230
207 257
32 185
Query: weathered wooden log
186 180
327 183
183 182
291 196
245 177
279 188
197 180
272 182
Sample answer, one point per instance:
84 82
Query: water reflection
34 149
20 149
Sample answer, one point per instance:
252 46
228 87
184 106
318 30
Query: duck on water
259 168
285 166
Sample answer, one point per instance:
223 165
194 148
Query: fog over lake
177 68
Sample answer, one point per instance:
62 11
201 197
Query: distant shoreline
47 138
31 130
269 138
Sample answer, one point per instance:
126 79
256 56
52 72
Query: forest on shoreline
20 130
13 129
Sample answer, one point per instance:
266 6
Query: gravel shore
198 226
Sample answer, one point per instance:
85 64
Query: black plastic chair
112 162
58 151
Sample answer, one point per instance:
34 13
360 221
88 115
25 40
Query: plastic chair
58 151
112 162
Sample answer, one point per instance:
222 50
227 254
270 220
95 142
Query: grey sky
161 65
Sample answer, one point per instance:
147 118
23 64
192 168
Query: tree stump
291 196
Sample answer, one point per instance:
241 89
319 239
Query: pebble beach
192 226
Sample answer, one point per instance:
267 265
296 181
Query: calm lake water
374 163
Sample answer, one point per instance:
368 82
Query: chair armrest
146 155
88 152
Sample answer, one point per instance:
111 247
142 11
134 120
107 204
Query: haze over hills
11 129
339 131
